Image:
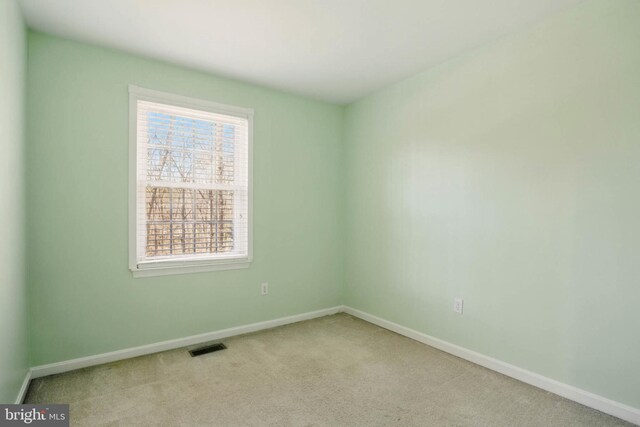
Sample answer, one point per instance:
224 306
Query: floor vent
207 349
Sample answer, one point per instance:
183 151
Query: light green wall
510 176
83 300
13 321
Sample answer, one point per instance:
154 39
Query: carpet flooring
332 371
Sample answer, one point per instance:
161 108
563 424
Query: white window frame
193 265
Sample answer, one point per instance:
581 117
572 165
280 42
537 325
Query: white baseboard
83 362
583 397
23 390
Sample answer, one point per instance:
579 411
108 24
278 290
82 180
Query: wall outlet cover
458 304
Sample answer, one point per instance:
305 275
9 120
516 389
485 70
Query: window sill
166 269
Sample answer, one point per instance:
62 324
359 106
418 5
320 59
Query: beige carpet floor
332 371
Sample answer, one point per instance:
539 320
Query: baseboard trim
611 407
23 390
83 362
583 397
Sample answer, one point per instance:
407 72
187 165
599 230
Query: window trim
193 264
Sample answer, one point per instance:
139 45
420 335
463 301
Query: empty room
320 213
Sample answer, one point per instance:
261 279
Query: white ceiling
333 50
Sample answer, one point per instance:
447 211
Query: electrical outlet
457 305
264 288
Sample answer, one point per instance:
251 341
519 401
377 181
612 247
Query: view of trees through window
189 164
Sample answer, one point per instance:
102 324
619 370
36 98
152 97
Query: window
190 207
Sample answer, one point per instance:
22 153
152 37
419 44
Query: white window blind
192 183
